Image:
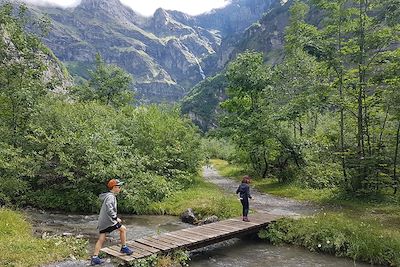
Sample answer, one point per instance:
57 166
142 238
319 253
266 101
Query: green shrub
218 149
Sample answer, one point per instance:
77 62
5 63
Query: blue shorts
111 228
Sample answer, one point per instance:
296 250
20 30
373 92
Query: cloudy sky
147 7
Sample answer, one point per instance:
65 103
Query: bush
336 234
73 149
218 149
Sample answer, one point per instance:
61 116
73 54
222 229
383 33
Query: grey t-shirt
108 211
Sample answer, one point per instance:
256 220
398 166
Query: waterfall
200 69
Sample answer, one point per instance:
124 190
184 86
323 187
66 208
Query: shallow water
85 226
252 253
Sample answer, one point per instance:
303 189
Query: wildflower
328 242
319 245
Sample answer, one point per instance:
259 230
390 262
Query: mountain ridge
165 53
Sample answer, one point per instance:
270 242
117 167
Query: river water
235 252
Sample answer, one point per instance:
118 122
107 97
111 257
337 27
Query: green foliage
322 116
78 147
25 250
170 144
12 164
21 74
203 100
336 234
108 84
218 149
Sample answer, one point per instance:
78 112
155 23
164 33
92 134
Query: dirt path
262 202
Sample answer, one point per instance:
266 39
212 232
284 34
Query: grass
204 198
20 248
341 235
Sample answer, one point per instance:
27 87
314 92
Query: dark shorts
111 228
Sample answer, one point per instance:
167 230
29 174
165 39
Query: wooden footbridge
192 238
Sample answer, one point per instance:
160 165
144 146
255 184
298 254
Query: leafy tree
21 74
248 79
108 84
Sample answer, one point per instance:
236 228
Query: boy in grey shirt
108 220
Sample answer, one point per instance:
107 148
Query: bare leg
99 244
122 235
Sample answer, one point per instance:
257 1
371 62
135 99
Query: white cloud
191 7
147 7
60 3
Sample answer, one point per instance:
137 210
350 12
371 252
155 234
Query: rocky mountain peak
111 9
100 4
161 16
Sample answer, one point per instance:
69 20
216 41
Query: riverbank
20 248
360 228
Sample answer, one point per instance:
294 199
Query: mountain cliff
167 53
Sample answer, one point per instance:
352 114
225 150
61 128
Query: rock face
267 36
167 54
54 75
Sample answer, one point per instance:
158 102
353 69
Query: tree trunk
357 183
300 128
395 180
266 165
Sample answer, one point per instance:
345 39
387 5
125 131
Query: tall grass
18 247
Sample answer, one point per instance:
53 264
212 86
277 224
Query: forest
327 115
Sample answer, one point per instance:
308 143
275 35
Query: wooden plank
216 228
137 250
234 226
238 221
161 242
140 246
225 228
190 239
207 236
135 254
165 243
117 254
190 235
244 225
154 244
173 240
230 226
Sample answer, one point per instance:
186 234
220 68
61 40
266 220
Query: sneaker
245 219
126 250
96 261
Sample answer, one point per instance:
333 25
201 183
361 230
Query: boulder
189 217
208 220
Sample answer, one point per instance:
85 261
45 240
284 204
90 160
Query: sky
147 7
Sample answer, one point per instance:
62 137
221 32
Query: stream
235 252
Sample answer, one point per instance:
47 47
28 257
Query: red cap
114 182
